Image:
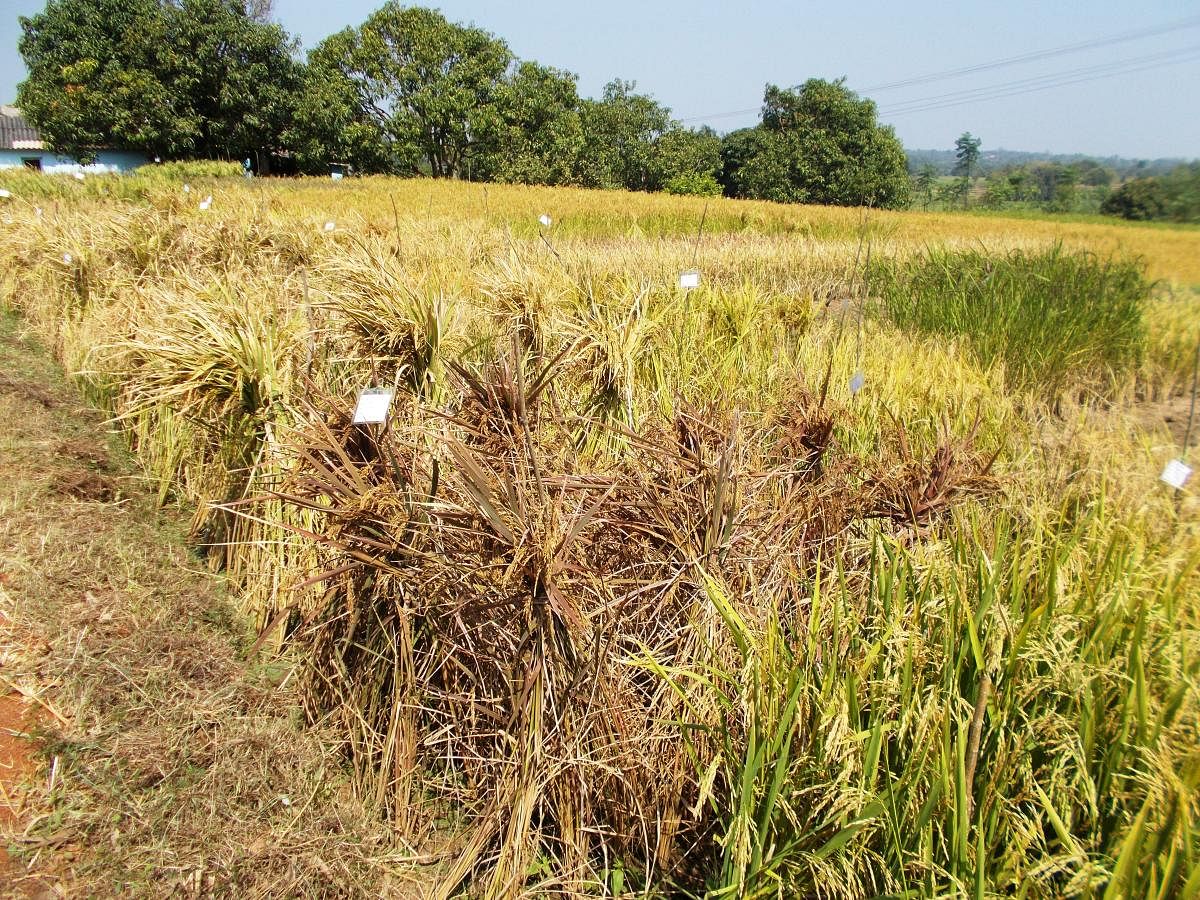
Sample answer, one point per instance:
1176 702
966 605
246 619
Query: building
21 145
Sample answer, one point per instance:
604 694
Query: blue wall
106 161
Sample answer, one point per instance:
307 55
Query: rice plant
633 593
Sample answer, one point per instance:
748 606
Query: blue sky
704 58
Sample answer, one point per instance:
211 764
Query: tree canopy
818 143
410 92
200 78
426 84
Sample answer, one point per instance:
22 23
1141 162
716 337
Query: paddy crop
633 593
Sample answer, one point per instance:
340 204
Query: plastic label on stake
373 406
335 176
79 176
545 220
689 279
68 258
329 226
187 188
206 202
856 382
1176 474
5 194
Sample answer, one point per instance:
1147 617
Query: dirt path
164 763
17 765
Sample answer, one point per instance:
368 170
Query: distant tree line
943 161
1173 197
1167 190
1082 185
408 92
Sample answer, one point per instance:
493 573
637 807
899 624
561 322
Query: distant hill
943 161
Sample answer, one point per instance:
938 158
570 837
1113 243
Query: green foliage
619 135
985 726
738 148
199 78
1174 196
422 83
190 170
331 125
1139 200
688 157
966 154
1049 316
95 79
924 183
234 78
701 185
819 143
536 134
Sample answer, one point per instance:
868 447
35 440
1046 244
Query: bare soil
1171 413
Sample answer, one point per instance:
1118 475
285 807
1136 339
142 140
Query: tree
966 152
1182 189
820 143
536 134
690 158
236 77
428 85
330 126
187 78
924 183
619 135
737 149
95 79
1141 199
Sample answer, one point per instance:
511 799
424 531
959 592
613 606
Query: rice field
847 573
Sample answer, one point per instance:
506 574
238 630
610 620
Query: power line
1069 76
1192 22
1032 56
1001 91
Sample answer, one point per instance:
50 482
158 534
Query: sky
709 61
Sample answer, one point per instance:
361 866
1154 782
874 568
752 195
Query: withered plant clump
491 596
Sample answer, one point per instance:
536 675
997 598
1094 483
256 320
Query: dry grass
634 593
171 765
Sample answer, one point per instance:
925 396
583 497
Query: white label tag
857 382
336 176
79 176
206 202
68 259
1176 474
545 220
5 194
689 279
187 188
329 226
373 406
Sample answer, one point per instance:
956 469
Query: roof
15 132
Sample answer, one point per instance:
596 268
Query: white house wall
106 162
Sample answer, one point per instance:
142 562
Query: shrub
694 184
1140 200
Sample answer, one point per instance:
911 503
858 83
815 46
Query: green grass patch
1051 317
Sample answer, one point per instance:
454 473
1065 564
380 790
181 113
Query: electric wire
1043 82
1032 56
